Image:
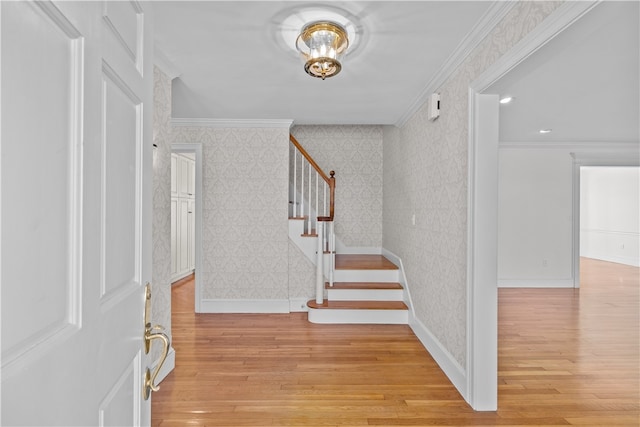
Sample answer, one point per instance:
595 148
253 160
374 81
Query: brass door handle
150 378
152 333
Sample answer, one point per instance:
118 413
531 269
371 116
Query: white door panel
76 204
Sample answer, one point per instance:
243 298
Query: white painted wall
534 217
610 214
535 213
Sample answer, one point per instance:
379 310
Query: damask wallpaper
245 239
425 173
161 223
354 152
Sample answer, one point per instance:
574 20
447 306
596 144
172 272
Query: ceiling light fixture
544 131
322 45
506 100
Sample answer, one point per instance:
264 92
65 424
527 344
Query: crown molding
569 145
161 61
496 12
232 123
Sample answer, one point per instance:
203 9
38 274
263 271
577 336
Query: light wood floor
565 357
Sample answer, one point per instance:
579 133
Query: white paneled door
77 84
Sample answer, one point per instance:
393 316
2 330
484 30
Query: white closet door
183 240
192 234
175 227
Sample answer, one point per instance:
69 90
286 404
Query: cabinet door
183 177
192 234
191 176
183 239
175 220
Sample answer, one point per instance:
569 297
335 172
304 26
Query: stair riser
338 316
366 276
364 294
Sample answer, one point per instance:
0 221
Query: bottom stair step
379 312
358 305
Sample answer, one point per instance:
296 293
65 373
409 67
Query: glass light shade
322 45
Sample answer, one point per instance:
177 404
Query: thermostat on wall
433 106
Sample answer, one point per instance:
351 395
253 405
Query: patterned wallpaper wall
355 153
244 217
425 172
161 223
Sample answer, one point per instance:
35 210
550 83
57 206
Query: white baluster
317 206
295 182
302 186
309 201
319 266
332 253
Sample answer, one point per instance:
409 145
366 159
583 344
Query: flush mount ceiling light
543 131
322 45
506 100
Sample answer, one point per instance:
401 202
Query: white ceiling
233 63
583 84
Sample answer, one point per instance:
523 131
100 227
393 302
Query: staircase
366 290
361 288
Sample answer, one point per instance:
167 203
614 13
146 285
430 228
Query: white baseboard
298 304
167 367
618 259
181 276
443 358
535 283
244 306
402 278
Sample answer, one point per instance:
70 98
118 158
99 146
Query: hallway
565 357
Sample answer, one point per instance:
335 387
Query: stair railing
313 199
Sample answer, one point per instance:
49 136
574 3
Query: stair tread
358 305
364 285
363 262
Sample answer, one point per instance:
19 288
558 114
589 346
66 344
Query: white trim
402 279
496 12
297 305
180 276
244 306
535 283
197 149
482 358
168 366
232 123
546 145
482 253
449 365
161 61
358 316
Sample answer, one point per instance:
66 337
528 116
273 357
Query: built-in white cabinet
182 216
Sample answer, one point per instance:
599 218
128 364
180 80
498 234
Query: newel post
332 193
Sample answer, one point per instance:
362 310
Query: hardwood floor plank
566 356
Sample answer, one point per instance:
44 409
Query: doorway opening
610 214
186 214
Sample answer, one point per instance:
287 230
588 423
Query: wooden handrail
309 159
331 181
